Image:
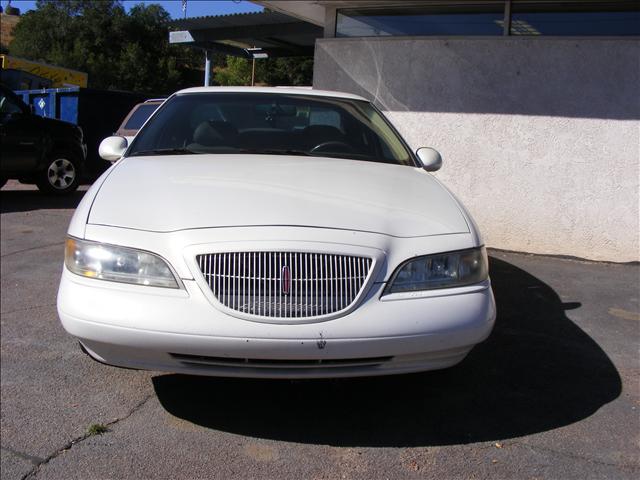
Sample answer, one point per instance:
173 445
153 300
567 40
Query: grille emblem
285 280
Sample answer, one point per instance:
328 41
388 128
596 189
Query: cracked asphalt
554 392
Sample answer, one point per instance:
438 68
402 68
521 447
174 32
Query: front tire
61 175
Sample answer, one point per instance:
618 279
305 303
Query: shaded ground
552 394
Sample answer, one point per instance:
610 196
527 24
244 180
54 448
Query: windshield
270 124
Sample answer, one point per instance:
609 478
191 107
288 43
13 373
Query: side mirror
430 158
112 148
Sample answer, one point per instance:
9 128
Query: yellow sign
61 77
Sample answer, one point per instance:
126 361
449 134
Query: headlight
445 270
117 264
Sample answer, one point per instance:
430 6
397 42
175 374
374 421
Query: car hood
55 125
169 193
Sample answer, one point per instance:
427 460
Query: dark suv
44 151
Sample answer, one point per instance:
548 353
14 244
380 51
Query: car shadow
536 372
30 200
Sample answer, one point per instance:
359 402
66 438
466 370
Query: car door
20 136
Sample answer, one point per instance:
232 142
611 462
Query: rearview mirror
430 158
112 148
277 110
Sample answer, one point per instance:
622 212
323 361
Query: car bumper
180 331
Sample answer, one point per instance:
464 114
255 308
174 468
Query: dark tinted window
266 123
137 119
8 105
569 18
444 20
584 19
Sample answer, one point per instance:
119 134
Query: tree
237 71
292 71
117 50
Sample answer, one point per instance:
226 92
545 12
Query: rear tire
61 174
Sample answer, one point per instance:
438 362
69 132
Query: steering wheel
333 143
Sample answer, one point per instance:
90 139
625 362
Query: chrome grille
284 284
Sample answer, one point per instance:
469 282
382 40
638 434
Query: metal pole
207 68
253 71
507 18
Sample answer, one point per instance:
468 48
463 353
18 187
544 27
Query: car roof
285 90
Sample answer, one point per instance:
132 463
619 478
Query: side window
140 115
8 106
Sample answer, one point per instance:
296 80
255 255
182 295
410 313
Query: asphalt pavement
552 394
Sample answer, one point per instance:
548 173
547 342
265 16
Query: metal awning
274 33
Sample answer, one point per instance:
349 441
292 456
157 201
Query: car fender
80 217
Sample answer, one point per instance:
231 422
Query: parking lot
553 393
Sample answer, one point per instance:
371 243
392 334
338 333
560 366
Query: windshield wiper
275 151
165 151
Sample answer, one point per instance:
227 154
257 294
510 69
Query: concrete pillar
330 22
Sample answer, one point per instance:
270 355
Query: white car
270 232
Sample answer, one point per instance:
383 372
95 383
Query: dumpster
97 112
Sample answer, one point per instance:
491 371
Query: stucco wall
540 136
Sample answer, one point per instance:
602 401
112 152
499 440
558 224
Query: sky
195 8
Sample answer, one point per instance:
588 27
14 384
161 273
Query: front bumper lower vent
285 285
200 360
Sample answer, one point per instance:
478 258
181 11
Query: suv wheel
61 174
